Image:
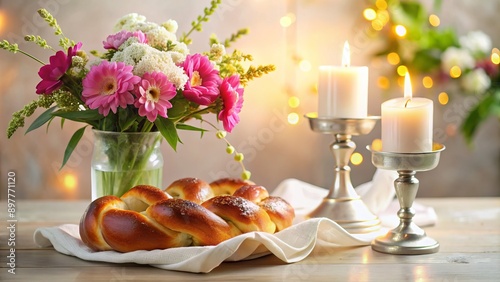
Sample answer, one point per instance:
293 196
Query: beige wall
274 149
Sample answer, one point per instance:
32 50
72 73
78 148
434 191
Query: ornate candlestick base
342 204
407 238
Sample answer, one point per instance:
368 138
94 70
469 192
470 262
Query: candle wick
407 101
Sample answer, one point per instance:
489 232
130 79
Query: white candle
407 123
343 91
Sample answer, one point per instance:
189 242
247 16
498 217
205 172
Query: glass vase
122 160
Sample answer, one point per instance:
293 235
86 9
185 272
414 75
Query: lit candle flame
346 55
407 90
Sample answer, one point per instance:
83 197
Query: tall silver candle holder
342 204
407 238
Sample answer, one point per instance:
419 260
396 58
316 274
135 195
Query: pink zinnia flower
232 98
52 73
154 92
114 41
202 85
107 86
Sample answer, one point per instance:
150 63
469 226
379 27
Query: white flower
476 81
456 57
132 54
477 42
179 52
171 26
217 51
128 22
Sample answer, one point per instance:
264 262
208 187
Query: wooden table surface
468 231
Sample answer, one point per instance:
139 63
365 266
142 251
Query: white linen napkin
290 245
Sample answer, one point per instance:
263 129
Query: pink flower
114 41
154 92
107 86
52 73
232 98
202 85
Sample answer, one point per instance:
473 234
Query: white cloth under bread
290 245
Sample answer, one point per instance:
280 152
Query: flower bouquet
144 81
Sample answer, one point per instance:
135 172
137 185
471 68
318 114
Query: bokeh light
356 158
293 118
393 58
443 98
305 65
69 181
400 30
434 20
369 14
287 20
427 82
455 72
377 145
293 102
402 70
381 4
383 82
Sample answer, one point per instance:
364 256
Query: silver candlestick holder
407 238
342 204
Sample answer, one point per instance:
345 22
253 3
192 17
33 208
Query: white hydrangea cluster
145 58
157 35
152 56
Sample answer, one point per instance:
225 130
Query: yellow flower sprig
64 42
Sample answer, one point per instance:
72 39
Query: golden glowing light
369 14
443 98
495 58
455 72
407 90
427 82
377 24
381 4
346 55
434 20
400 30
69 181
393 58
383 16
383 82
293 118
293 102
402 70
3 20
287 20
401 81
305 65
356 158
377 145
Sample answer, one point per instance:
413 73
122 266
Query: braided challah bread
189 212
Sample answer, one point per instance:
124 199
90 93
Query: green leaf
72 144
480 113
80 116
183 126
168 131
41 119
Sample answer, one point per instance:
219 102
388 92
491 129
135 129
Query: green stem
32 57
198 112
